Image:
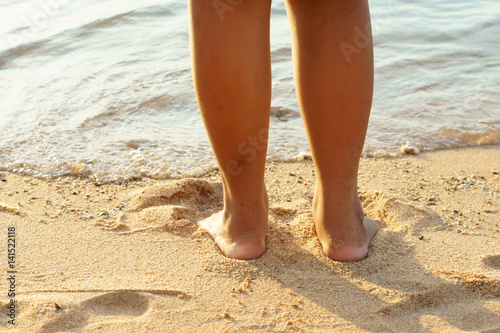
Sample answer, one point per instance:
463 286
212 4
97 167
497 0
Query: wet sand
130 258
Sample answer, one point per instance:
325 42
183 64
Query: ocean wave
127 18
64 42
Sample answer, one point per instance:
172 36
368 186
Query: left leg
232 77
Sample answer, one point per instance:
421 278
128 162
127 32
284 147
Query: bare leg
232 77
335 89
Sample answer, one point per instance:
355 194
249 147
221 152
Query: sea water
103 89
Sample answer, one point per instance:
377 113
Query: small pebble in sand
7 206
409 150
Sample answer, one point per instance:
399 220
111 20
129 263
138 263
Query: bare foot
345 234
234 243
351 246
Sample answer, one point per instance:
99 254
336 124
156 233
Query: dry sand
129 257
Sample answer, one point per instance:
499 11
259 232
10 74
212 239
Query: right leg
232 78
335 93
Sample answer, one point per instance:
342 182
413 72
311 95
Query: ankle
245 220
246 203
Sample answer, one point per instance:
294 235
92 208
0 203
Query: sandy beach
129 257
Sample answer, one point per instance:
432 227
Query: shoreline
129 257
84 170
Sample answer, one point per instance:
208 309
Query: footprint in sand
492 261
173 207
119 306
120 303
399 215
